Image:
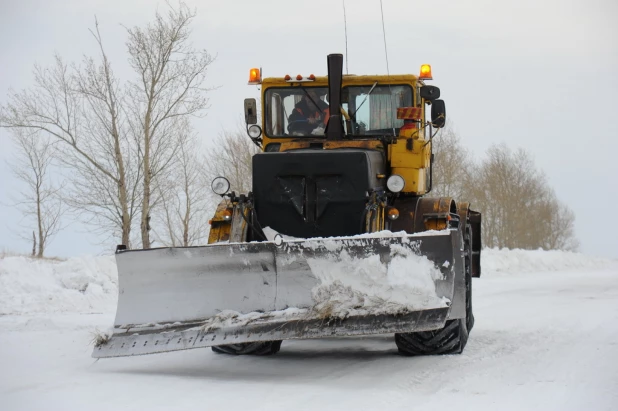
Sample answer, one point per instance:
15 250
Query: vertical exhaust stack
334 128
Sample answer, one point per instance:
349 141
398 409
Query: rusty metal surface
407 209
462 208
432 213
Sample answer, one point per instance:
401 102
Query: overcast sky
542 75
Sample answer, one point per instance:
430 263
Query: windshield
296 111
374 112
303 111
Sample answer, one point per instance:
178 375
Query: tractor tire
449 340
453 337
468 268
253 348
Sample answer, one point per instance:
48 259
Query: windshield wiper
353 115
314 103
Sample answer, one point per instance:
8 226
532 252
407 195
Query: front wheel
449 340
453 337
252 348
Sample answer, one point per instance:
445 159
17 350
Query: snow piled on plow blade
352 285
171 299
364 285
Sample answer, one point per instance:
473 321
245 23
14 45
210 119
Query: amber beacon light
425 72
255 76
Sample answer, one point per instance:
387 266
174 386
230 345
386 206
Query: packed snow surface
545 338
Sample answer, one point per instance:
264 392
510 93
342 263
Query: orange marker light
299 77
255 76
425 72
287 77
393 213
311 77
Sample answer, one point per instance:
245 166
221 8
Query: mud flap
190 297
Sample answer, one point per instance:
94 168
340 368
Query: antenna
345 26
384 35
388 73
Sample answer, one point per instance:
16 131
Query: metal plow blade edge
168 297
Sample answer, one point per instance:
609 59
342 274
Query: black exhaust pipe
334 128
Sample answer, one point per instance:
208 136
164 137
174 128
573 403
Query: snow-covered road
542 340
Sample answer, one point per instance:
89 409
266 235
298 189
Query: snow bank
504 261
81 284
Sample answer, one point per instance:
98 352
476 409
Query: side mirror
250 111
430 93
438 113
220 185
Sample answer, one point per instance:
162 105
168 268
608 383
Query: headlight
254 131
220 185
395 183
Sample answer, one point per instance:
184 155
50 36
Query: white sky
542 75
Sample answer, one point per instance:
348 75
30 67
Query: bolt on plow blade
190 297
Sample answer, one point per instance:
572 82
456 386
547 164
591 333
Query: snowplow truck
338 237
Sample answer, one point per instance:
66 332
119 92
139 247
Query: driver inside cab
309 116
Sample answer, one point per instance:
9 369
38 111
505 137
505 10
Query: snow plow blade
191 297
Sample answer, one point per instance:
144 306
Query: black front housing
315 193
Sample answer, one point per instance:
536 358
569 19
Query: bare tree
111 197
519 208
39 202
80 109
184 200
169 85
231 157
555 225
452 166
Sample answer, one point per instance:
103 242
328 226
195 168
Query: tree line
520 209
122 156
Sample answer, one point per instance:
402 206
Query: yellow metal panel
348 80
219 226
415 179
418 157
219 231
412 164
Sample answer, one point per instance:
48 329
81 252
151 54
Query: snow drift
504 261
79 284
89 284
